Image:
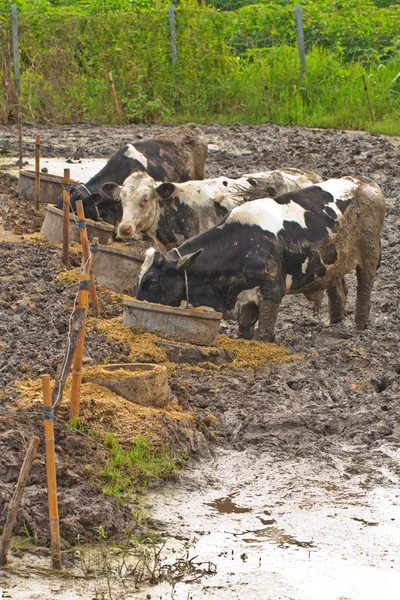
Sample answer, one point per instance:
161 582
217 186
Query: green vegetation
225 59
131 469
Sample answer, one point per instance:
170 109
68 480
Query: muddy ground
337 405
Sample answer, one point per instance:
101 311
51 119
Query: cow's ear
186 261
165 190
111 190
92 199
159 259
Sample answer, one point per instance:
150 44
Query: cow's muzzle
125 231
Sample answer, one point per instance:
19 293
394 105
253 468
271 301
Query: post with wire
37 172
65 254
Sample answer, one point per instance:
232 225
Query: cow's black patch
329 254
330 212
343 205
220 210
311 198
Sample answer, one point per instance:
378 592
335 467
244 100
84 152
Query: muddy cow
178 154
304 241
170 213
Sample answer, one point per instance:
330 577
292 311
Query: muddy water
287 532
80 170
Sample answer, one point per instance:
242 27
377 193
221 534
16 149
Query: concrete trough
181 324
118 269
50 187
52 228
141 383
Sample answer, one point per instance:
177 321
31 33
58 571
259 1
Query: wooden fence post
51 474
171 17
65 254
17 496
119 113
37 173
86 256
14 26
371 112
300 39
84 285
268 102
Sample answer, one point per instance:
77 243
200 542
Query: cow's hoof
265 337
246 334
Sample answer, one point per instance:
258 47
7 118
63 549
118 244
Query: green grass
132 469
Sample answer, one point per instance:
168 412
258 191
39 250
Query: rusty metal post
65 254
37 173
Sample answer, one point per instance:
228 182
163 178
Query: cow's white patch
289 280
252 296
148 261
341 189
267 214
131 152
304 265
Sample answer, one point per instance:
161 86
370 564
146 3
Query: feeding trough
142 383
52 228
192 326
51 186
117 269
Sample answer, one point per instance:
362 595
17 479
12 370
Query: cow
300 242
178 154
170 213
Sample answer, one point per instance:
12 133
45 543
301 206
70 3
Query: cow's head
138 200
162 278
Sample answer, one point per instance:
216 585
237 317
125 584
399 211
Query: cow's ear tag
184 262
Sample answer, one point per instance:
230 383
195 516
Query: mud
315 436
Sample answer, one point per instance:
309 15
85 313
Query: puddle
227 506
277 536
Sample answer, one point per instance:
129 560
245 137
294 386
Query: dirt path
312 446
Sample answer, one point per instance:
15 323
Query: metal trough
118 269
52 228
181 324
50 187
142 383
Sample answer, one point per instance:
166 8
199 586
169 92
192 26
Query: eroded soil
332 414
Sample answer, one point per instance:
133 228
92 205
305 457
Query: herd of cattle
238 244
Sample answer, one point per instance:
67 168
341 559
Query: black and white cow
178 154
300 242
170 213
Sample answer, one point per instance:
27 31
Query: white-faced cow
170 213
178 154
304 241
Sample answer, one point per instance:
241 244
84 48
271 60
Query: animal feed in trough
141 383
186 325
52 228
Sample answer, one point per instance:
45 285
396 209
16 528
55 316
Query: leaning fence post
51 474
84 285
300 38
17 496
37 172
268 102
14 25
19 139
119 113
86 256
371 113
65 254
171 16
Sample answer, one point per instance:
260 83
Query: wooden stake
371 114
86 257
119 113
51 474
65 254
300 38
37 172
84 285
16 499
20 140
268 102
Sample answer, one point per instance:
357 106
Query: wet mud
295 461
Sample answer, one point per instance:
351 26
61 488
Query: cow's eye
144 202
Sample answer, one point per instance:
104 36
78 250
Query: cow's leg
272 294
337 293
247 318
365 282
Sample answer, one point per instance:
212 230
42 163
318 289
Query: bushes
224 61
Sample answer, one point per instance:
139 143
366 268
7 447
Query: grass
131 469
